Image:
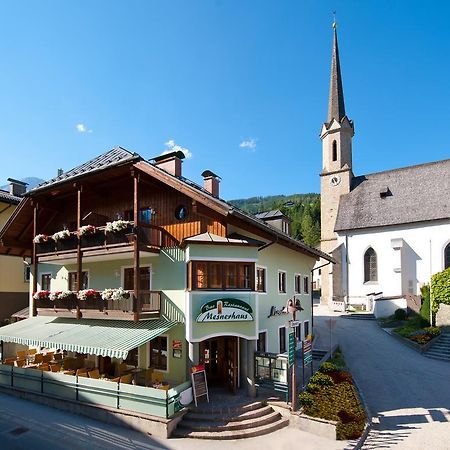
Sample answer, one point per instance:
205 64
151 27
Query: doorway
220 357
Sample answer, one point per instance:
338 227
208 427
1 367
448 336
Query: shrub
312 387
321 379
434 331
425 307
328 367
306 399
440 289
351 430
342 377
400 314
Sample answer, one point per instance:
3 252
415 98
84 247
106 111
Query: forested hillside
302 209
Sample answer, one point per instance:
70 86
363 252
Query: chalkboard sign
199 383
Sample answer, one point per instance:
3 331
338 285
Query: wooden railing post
35 258
137 271
79 254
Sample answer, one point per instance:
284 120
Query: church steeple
336 107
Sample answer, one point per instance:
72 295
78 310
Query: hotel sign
225 310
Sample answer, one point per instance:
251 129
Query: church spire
336 107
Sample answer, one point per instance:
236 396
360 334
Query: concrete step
442 358
251 414
224 410
225 425
232 434
359 316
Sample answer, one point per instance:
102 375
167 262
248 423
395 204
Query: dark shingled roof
116 156
411 194
267 215
6 197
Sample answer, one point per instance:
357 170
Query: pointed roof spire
336 107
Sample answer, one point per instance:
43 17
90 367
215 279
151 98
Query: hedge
440 289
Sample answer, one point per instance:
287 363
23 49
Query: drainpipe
312 295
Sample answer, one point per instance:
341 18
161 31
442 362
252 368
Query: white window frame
40 279
295 284
76 271
285 286
265 280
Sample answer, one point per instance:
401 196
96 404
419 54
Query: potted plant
65 240
44 243
116 231
90 299
89 236
117 299
42 299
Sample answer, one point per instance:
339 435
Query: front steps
440 349
236 422
359 316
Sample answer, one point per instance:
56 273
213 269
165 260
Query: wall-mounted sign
176 344
226 310
274 311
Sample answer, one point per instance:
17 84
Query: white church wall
385 308
407 256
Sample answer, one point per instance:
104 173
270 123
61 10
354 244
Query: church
389 232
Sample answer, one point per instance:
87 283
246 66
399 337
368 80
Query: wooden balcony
148 307
151 239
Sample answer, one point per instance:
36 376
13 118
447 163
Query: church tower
336 176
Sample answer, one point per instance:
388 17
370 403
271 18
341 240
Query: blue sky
241 84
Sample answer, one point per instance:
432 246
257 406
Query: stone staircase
440 349
359 316
230 422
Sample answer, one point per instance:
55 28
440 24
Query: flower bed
415 333
331 395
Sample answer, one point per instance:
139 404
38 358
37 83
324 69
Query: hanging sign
226 310
291 349
199 383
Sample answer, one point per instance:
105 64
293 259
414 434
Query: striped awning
114 338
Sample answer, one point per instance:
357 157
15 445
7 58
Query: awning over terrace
114 338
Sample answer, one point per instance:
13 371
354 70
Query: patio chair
21 354
69 363
58 356
144 378
55 367
69 372
9 361
44 367
48 357
157 377
115 380
21 362
164 387
82 372
31 351
123 369
38 358
94 374
126 379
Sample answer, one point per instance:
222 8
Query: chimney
60 172
211 182
16 187
170 162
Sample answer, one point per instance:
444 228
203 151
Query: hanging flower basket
116 231
65 240
44 243
42 299
90 236
90 299
87 230
61 235
64 300
117 299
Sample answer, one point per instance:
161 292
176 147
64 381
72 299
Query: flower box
64 300
45 246
69 243
90 299
118 237
96 239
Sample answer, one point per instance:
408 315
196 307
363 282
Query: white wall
417 254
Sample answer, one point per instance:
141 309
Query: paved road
408 394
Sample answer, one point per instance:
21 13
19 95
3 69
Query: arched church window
447 256
334 151
370 265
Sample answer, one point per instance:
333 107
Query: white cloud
172 146
248 143
81 128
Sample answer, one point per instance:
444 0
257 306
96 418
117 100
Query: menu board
199 383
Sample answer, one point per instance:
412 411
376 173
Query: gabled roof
6 197
268 215
401 196
114 157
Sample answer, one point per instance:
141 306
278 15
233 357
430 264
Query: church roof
401 196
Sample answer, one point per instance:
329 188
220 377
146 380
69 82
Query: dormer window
334 151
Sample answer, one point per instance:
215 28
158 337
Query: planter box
119 237
93 240
67 244
96 304
67 304
45 247
44 303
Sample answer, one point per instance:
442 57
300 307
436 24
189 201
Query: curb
369 422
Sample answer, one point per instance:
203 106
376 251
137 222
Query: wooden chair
69 372
126 379
164 387
55 367
157 377
21 354
144 378
116 380
31 351
58 357
9 361
21 362
94 374
82 372
48 357
123 369
44 367
69 364
38 358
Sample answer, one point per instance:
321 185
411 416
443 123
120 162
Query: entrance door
219 356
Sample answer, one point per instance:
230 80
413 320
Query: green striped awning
114 338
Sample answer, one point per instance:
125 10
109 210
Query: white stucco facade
407 255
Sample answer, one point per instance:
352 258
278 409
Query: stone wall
443 316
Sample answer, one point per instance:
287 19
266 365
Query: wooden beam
35 260
137 270
79 253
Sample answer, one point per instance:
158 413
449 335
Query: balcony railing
151 238
148 306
